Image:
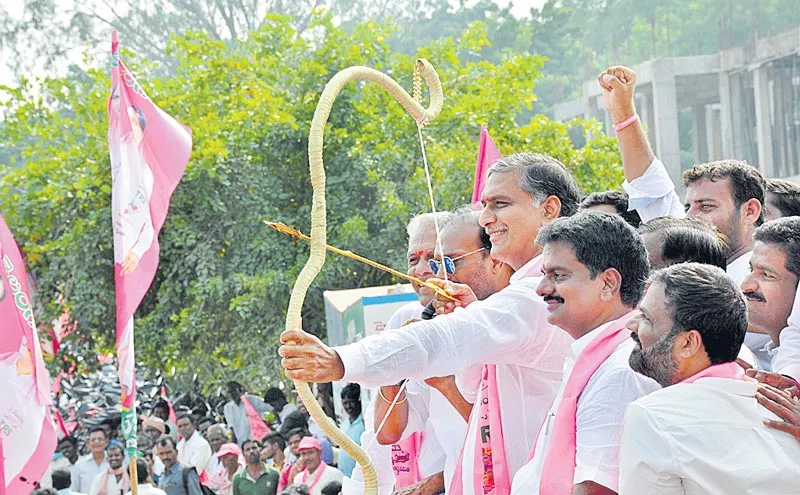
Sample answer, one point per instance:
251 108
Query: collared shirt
329 475
381 455
787 356
601 408
149 489
653 195
237 419
171 481
354 431
706 437
508 329
84 472
266 484
194 452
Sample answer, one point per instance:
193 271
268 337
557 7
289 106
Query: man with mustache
507 333
726 193
772 284
595 267
704 432
439 410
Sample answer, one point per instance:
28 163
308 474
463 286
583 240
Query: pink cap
309 443
229 449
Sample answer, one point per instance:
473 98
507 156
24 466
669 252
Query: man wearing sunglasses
507 333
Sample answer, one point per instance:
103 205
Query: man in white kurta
509 329
588 307
703 434
193 450
729 193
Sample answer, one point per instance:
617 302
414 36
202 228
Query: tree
216 307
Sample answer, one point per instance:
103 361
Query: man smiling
595 267
507 333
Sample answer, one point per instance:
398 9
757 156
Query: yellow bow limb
318 223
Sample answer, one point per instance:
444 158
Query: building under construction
744 103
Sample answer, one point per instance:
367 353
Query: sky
519 8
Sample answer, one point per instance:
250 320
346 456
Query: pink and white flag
27 434
488 155
149 153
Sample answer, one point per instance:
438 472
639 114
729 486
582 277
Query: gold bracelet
380 392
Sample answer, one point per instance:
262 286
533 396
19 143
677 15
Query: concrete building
744 103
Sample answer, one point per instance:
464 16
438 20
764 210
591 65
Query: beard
656 361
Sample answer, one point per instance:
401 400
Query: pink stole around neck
317 475
558 471
730 370
490 469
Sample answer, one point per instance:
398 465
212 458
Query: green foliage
217 305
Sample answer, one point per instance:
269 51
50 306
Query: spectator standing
68 448
316 473
351 402
257 478
88 468
277 400
193 450
143 479
177 478
115 479
232 463
62 482
242 411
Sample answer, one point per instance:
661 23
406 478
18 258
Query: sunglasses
449 263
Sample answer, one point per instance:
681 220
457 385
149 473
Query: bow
318 220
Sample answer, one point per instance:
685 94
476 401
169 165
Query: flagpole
134 477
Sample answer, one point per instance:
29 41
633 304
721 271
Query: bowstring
417 92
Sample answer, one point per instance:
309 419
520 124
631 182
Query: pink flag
27 433
488 154
149 152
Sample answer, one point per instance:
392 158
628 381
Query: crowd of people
621 342
189 453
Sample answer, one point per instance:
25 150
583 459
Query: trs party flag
488 154
149 152
27 434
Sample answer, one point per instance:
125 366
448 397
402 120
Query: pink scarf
725 370
558 471
405 461
490 470
258 429
124 485
317 475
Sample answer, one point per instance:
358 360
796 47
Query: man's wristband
625 123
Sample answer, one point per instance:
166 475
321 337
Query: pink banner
488 155
27 433
149 153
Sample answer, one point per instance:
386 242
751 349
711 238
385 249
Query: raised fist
618 83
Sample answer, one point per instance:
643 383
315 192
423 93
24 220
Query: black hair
332 488
703 298
617 199
95 429
746 181
142 471
785 234
165 440
274 394
61 479
787 196
601 241
352 391
542 176
274 438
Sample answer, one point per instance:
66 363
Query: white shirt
194 452
60 463
287 409
112 487
381 455
330 474
237 419
601 408
653 195
508 329
706 437
84 472
787 356
148 489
